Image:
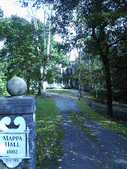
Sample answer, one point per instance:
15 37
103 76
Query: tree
34 6
119 73
24 51
104 21
47 9
1 13
103 29
3 80
105 26
20 48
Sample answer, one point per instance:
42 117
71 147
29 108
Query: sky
10 7
13 7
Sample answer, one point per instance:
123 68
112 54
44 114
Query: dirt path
106 150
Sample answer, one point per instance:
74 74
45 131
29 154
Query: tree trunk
39 89
105 61
43 84
109 91
43 90
108 86
80 94
28 85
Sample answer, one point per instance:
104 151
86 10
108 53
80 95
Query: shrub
3 83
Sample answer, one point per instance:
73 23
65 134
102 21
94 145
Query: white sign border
13 161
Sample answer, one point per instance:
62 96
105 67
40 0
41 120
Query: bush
3 83
50 86
100 95
120 96
67 87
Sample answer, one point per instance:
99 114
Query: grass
58 91
112 124
1 95
48 131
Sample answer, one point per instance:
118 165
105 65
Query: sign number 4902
12 151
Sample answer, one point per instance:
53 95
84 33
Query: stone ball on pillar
16 86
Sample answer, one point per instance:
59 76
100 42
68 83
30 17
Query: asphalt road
108 151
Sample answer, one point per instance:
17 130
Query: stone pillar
17 128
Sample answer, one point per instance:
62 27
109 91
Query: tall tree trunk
33 14
79 79
28 85
108 84
47 53
43 90
109 90
39 89
49 37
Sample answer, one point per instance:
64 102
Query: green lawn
1 95
58 91
48 131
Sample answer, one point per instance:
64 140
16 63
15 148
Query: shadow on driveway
107 151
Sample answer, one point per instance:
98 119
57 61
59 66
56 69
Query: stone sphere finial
16 86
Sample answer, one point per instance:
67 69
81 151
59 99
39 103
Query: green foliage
1 13
21 47
26 45
57 55
51 73
105 26
100 28
3 81
48 131
24 51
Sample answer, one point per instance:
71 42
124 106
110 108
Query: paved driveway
108 151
